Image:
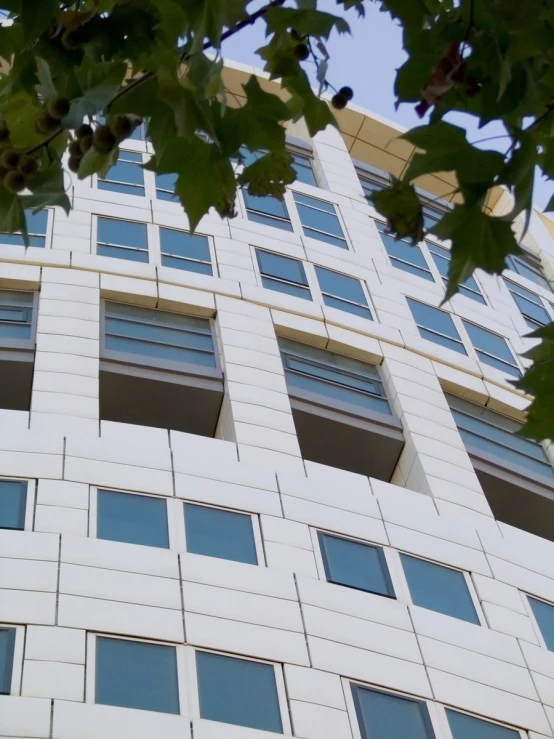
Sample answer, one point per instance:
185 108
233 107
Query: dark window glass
492 349
441 257
7 641
126 176
36 230
403 255
463 726
388 716
302 165
544 614
122 240
16 315
333 377
283 274
238 691
13 499
319 220
439 588
183 250
159 335
355 565
529 304
494 434
431 216
134 674
436 325
134 519
165 187
218 533
369 186
342 292
529 267
267 210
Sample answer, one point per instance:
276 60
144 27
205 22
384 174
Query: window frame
182 538
541 302
475 352
438 333
28 509
47 233
305 266
159 254
393 259
426 245
290 220
297 224
447 732
16 656
144 186
383 552
534 264
320 293
147 225
90 670
535 624
194 694
297 150
152 367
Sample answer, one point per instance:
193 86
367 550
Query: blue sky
367 62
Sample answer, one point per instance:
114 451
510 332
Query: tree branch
46 141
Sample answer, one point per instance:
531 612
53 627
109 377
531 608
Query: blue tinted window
319 220
16 315
525 266
342 292
7 641
463 726
283 274
267 210
403 255
436 325
134 674
126 176
439 588
529 304
431 216
370 186
122 240
183 250
302 165
544 614
36 230
355 565
218 533
387 716
238 691
157 334
134 519
13 499
441 257
492 349
165 186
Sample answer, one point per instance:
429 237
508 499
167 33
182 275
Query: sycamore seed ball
9 159
73 163
103 139
58 107
14 181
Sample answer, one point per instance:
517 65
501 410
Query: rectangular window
336 378
36 230
431 216
319 220
403 255
492 349
238 691
7 643
267 210
439 588
134 674
529 304
436 325
214 532
463 726
355 565
126 176
384 715
122 239
133 519
371 183
283 274
342 292
442 257
158 335
494 434
302 165
183 250
13 501
165 187
529 266
16 316
544 616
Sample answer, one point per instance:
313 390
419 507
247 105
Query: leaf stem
46 141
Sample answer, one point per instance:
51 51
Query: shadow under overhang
16 379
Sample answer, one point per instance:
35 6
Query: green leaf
19 112
478 241
96 162
36 16
12 217
99 82
400 205
46 88
519 175
550 205
537 381
268 175
47 189
306 22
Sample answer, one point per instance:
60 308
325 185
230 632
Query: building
255 480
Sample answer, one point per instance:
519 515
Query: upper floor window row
176 249
529 266
37 227
531 306
302 163
441 327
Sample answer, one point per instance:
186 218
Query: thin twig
46 141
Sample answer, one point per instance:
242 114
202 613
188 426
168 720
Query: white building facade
255 482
